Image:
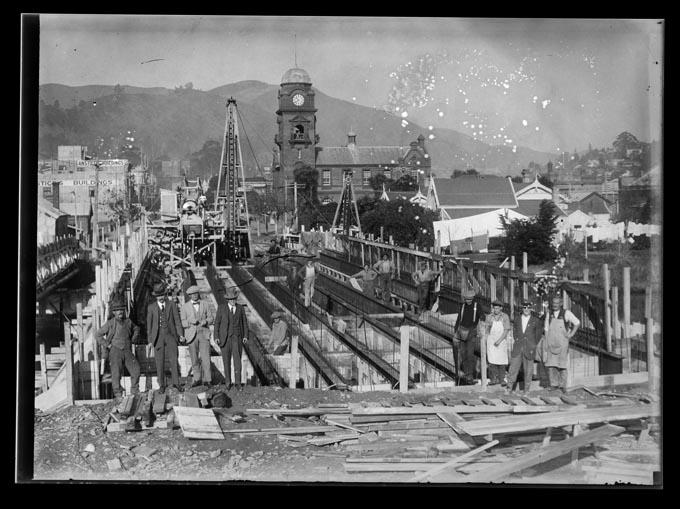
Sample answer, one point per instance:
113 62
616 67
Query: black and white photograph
344 250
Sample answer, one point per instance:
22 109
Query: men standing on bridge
308 275
121 333
386 271
197 315
368 275
560 327
423 278
527 332
231 331
164 333
465 331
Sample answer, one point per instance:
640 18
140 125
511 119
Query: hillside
173 124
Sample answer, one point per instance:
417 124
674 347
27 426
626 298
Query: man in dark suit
527 332
164 333
231 332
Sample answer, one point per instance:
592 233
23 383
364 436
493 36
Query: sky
550 85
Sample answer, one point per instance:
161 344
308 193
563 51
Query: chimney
421 141
351 139
55 194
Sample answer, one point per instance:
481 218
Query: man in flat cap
465 332
164 333
527 332
197 316
121 333
559 327
231 332
279 337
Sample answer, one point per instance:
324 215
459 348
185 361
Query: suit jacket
188 315
172 316
228 326
525 342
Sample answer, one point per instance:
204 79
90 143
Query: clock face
298 100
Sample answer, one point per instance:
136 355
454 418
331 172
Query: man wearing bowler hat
231 332
465 331
164 333
197 315
527 332
121 333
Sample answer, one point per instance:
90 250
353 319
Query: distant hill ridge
174 124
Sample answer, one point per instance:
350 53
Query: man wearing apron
555 349
496 328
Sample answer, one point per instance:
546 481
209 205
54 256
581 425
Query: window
298 133
367 176
326 177
47 192
91 193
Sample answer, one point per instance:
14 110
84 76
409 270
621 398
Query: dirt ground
62 441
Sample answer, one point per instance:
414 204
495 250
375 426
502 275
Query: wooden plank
354 468
189 399
452 419
68 353
159 400
43 366
296 411
126 406
405 332
332 440
454 461
345 426
198 423
552 400
376 419
283 430
531 400
512 424
499 472
459 409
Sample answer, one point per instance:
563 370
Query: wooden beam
498 472
607 307
300 430
43 367
649 331
454 461
404 357
452 419
611 380
68 361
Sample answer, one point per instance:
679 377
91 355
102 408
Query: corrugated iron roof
532 207
370 156
484 191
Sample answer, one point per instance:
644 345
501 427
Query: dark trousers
232 348
423 292
466 352
385 286
117 359
166 348
199 350
496 373
526 365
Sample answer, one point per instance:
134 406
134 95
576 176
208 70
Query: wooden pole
68 359
586 274
482 357
43 367
293 360
626 303
512 289
404 357
607 307
492 286
525 269
616 326
81 331
649 330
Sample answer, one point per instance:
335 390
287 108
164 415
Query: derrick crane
347 213
230 197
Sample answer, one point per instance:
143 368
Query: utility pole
95 214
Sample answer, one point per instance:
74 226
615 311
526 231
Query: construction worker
465 333
527 332
164 334
279 338
308 275
496 328
197 315
386 272
423 278
369 276
121 333
231 332
274 248
560 326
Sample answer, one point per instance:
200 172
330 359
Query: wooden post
607 307
512 288
626 303
398 265
404 357
492 286
293 360
363 259
525 269
43 367
95 351
649 330
68 359
616 326
482 357
574 454
81 331
586 274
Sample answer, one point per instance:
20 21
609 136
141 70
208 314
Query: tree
377 181
308 198
206 161
623 142
533 236
543 179
406 222
405 183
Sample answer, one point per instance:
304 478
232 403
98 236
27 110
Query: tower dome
296 75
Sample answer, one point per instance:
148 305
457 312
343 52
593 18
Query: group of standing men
167 328
545 338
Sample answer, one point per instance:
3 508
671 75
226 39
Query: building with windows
297 145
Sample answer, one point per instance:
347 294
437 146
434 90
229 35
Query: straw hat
193 289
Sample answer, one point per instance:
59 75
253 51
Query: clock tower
296 138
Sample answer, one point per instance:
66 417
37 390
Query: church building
297 145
